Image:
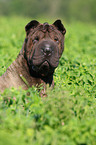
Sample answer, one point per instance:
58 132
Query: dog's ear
58 24
30 25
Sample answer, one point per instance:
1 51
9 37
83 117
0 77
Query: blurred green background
82 10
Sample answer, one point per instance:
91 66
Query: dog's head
44 45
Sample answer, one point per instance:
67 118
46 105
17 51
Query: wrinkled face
44 46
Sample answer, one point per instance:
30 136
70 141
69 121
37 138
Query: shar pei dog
38 58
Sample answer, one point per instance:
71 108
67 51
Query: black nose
47 49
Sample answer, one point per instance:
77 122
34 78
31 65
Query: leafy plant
68 115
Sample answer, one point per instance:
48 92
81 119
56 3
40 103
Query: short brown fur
38 58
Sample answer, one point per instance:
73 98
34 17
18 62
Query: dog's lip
45 63
44 68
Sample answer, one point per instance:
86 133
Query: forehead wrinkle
41 28
51 29
57 33
40 34
45 29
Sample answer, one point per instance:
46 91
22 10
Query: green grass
68 115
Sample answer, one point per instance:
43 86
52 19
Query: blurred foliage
68 115
70 9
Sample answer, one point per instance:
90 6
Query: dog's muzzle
45 58
47 48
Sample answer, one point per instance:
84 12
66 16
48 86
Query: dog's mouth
44 68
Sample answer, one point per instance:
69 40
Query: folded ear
31 24
58 24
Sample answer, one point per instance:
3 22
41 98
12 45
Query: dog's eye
36 39
56 39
